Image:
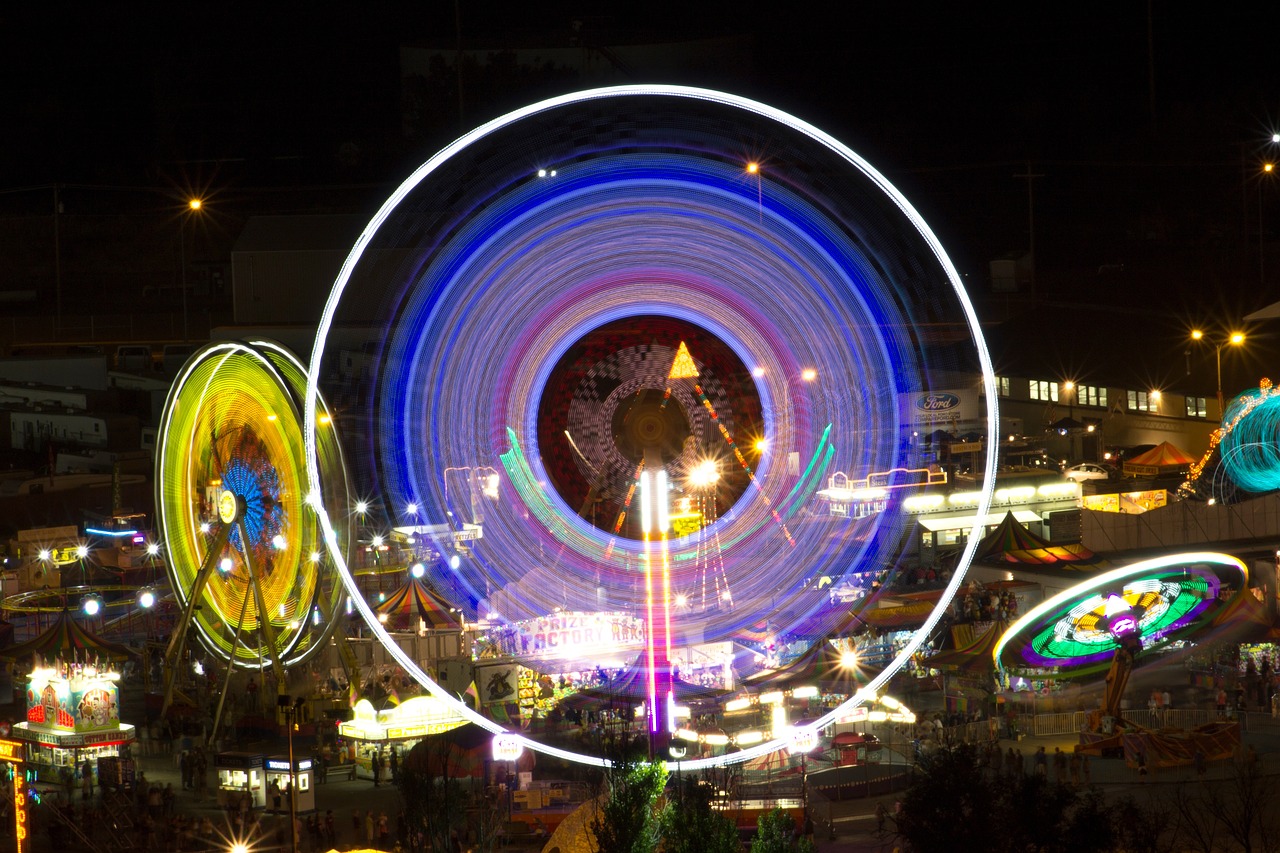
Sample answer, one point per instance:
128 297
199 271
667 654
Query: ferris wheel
245 555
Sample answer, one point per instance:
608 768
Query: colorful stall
72 716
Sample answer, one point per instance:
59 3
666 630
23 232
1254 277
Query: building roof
314 233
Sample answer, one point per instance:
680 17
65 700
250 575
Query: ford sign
937 402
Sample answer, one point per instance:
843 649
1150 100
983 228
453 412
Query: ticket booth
239 772
303 781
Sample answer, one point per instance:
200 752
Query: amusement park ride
1107 621
819 289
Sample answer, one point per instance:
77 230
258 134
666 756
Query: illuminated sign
12 751
507 747
937 402
572 635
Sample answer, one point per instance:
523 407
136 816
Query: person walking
376 765
1041 762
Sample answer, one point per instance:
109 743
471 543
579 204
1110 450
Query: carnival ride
1243 457
604 206
1107 621
246 552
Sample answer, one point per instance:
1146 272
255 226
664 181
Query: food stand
399 728
241 772
73 716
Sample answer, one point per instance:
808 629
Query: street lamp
1234 339
804 741
290 708
194 206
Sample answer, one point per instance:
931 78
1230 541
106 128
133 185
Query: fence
1074 721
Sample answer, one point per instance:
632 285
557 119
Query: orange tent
1164 458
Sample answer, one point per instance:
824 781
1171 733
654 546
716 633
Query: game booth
73 716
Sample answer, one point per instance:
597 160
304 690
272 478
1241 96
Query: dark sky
1144 122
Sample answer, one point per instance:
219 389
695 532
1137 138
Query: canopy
819 666
67 640
629 688
973 656
416 599
1164 458
1011 542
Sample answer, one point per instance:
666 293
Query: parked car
1088 471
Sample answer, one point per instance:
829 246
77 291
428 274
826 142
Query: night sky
1145 124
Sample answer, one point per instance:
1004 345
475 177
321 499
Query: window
1043 389
1197 407
1002 386
1091 395
1142 401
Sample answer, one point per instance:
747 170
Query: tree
950 804
690 825
627 821
776 833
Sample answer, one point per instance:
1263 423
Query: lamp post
194 205
290 709
803 741
1234 339
1267 169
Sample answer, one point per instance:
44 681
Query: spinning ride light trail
233 508
477 299
1244 452
1074 631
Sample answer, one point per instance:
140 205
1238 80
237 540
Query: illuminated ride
1105 622
806 293
1243 457
246 555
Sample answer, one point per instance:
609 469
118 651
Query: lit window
1197 407
1091 395
1143 401
1043 389
1002 386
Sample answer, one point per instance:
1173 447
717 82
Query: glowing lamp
455 562
146 599
92 606
417 570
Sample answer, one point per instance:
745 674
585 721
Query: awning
967 522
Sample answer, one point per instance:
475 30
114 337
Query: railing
1074 721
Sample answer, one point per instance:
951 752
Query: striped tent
415 600
1011 542
66 639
